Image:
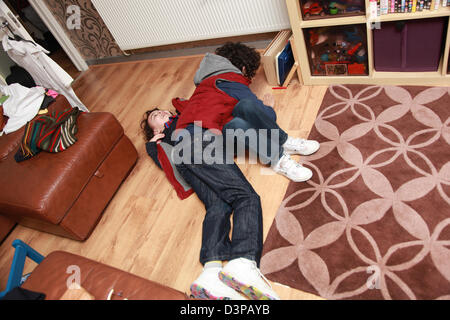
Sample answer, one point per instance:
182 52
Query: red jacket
208 104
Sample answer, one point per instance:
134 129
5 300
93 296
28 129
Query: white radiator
147 23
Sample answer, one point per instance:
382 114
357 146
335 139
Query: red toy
354 49
313 8
356 68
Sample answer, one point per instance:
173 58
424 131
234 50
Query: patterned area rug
374 222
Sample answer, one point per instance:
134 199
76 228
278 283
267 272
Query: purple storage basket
411 45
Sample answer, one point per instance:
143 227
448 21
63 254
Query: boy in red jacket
223 102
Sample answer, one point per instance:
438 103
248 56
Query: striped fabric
52 133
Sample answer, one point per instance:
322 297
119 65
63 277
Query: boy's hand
158 137
269 100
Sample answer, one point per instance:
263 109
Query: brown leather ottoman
52 275
66 193
6 225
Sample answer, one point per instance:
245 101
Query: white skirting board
147 23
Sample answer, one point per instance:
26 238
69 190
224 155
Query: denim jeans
247 116
225 191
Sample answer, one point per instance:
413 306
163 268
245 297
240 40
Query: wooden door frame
60 34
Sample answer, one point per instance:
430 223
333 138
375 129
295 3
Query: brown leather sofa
66 193
53 275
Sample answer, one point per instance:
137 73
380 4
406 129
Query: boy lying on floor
223 102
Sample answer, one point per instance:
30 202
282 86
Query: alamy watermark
373 282
73 282
375 25
200 146
74 20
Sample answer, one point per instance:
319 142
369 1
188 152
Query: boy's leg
250 129
280 162
239 132
256 119
246 110
216 244
228 183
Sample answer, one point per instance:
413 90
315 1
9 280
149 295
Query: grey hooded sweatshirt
213 65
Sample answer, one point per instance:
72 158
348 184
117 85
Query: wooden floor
146 229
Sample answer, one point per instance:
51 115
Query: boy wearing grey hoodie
224 101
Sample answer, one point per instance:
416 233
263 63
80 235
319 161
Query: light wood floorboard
146 229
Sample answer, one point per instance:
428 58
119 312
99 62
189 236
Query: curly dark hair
240 55
147 130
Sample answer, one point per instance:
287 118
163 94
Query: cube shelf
448 62
337 51
325 56
314 9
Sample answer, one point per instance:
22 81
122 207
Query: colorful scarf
52 133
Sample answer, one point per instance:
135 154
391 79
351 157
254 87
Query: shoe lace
290 163
297 142
255 267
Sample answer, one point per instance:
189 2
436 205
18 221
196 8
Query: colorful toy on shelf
353 35
356 68
336 69
352 9
355 6
353 50
332 8
361 55
337 51
316 65
318 69
325 57
312 8
339 5
316 38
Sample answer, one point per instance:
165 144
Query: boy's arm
240 91
152 151
182 188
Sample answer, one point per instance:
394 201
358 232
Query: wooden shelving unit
440 77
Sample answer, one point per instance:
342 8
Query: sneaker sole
297 180
249 291
198 292
291 152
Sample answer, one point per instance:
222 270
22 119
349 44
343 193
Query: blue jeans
224 191
247 116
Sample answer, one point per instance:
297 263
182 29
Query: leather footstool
53 274
66 193
6 225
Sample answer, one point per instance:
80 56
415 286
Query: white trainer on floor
292 169
301 146
209 287
244 276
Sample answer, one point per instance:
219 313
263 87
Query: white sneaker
209 287
292 169
301 146
243 275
